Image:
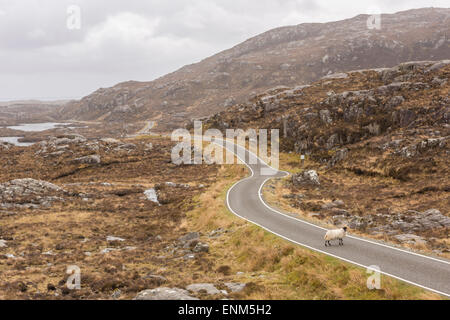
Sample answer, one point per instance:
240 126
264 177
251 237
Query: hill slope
379 140
284 56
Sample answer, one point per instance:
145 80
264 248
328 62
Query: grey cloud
139 40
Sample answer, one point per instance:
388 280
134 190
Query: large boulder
434 217
306 178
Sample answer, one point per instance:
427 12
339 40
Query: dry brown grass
271 267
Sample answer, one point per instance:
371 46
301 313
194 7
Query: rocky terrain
113 208
286 56
102 194
375 140
138 227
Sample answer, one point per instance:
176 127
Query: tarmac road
244 199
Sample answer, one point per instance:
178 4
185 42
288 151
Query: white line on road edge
319 227
318 250
349 236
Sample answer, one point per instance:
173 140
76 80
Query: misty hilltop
285 56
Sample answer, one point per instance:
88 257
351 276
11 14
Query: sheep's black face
345 229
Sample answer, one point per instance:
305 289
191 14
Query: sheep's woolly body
338 234
335 234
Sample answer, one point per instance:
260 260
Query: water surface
36 127
15 141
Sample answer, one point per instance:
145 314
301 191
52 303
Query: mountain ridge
284 56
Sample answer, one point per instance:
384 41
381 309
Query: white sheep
335 234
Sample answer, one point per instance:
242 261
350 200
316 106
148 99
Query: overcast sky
44 55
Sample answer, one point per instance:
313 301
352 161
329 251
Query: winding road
245 200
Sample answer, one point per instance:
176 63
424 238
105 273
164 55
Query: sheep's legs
328 243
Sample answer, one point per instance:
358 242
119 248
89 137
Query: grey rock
306 178
325 116
357 224
110 141
403 117
177 185
413 221
189 236
332 141
333 204
410 238
209 288
395 101
5 145
201 247
189 244
112 238
235 287
404 226
123 109
92 159
164 293
310 116
438 65
439 81
229 102
342 212
339 156
152 195
29 193
149 146
392 87
217 233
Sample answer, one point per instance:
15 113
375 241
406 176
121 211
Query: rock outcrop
29 193
306 178
164 294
